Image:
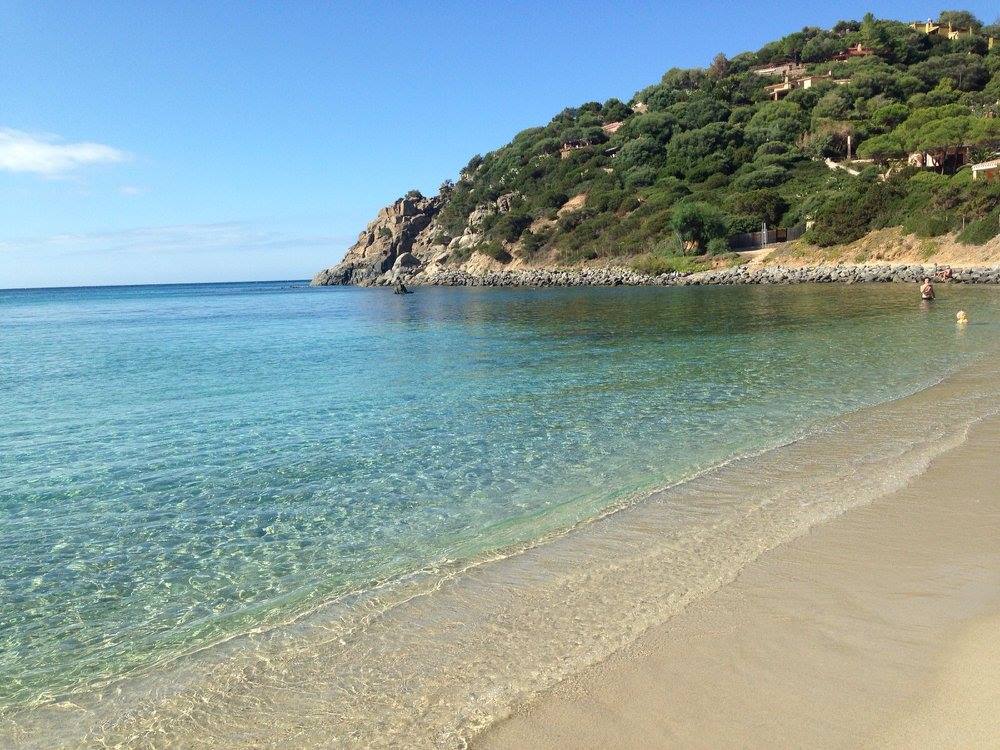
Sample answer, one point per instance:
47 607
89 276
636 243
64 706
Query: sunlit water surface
182 465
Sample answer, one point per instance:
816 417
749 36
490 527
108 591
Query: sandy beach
876 629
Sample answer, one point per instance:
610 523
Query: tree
834 104
960 19
882 148
697 223
615 110
967 72
686 79
843 218
890 115
656 125
763 177
765 205
699 111
719 66
822 47
781 121
697 154
642 151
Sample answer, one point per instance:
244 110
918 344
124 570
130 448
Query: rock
406 260
394 232
505 202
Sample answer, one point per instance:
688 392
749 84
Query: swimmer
961 318
926 290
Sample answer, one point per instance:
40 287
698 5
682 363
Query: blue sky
174 141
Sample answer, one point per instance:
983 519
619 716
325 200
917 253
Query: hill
868 125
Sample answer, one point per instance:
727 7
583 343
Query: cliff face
400 237
407 240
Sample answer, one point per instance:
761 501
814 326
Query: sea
265 514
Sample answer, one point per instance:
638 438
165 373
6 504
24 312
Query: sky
161 142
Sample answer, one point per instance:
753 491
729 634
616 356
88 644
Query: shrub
929 225
981 231
509 226
760 205
717 246
654 265
532 243
765 177
698 222
841 219
495 250
640 177
670 246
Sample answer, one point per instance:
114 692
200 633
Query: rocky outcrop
396 239
406 239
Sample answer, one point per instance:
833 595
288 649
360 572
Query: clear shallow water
179 465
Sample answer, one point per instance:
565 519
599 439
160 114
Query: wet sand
879 628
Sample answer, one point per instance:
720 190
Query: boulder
406 260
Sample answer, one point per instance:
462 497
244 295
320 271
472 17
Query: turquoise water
180 464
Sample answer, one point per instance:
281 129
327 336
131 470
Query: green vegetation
981 231
705 153
654 265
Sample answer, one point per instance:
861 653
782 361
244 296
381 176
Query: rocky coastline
407 242
623 276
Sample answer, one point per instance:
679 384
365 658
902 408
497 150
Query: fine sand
880 628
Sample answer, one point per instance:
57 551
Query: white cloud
48 156
132 190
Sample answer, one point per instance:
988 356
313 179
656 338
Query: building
790 69
858 50
935 29
947 161
570 146
987 170
779 91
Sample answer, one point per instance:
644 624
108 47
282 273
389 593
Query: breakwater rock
845 274
416 275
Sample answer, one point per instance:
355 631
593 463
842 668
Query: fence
749 240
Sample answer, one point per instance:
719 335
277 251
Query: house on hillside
858 50
987 170
791 69
947 161
948 31
779 91
568 147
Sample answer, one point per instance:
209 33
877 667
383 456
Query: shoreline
748 274
876 629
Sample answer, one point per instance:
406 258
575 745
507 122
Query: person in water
926 290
